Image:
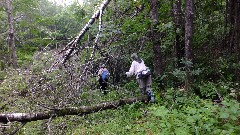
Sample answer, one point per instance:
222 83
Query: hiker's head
134 56
102 66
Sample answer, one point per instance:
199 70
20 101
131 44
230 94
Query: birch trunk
72 45
80 111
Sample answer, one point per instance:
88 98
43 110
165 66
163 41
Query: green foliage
25 55
14 81
41 61
224 69
79 12
132 85
33 128
177 76
195 116
2 75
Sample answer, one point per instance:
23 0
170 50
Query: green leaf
161 111
224 115
163 125
190 120
234 109
232 117
181 131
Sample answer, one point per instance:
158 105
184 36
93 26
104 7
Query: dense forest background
50 55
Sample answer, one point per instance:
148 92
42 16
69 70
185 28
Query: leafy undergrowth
195 116
173 113
157 119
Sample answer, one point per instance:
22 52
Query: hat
102 66
134 56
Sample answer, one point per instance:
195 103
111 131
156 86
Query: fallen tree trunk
80 111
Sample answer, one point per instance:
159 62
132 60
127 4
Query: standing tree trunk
237 34
179 39
233 41
11 40
189 14
155 37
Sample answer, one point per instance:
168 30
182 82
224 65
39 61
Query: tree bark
237 24
237 37
235 32
189 14
233 40
155 35
11 39
80 111
179 39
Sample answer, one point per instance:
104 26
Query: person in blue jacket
103 74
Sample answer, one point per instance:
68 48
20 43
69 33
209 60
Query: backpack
105 75
144 73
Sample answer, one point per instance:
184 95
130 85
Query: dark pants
103 84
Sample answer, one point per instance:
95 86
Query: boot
151 97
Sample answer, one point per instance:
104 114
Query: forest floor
185 116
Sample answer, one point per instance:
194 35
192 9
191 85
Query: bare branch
16 130
71 46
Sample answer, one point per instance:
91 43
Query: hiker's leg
148 83
142 86
100 80
151 97
104 84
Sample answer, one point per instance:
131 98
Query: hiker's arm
131 70
99 72
108 72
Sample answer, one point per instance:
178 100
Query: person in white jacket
135 69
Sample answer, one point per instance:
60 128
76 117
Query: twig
49 125
16 130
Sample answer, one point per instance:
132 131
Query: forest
51 51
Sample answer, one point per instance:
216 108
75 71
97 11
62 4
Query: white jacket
136 68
